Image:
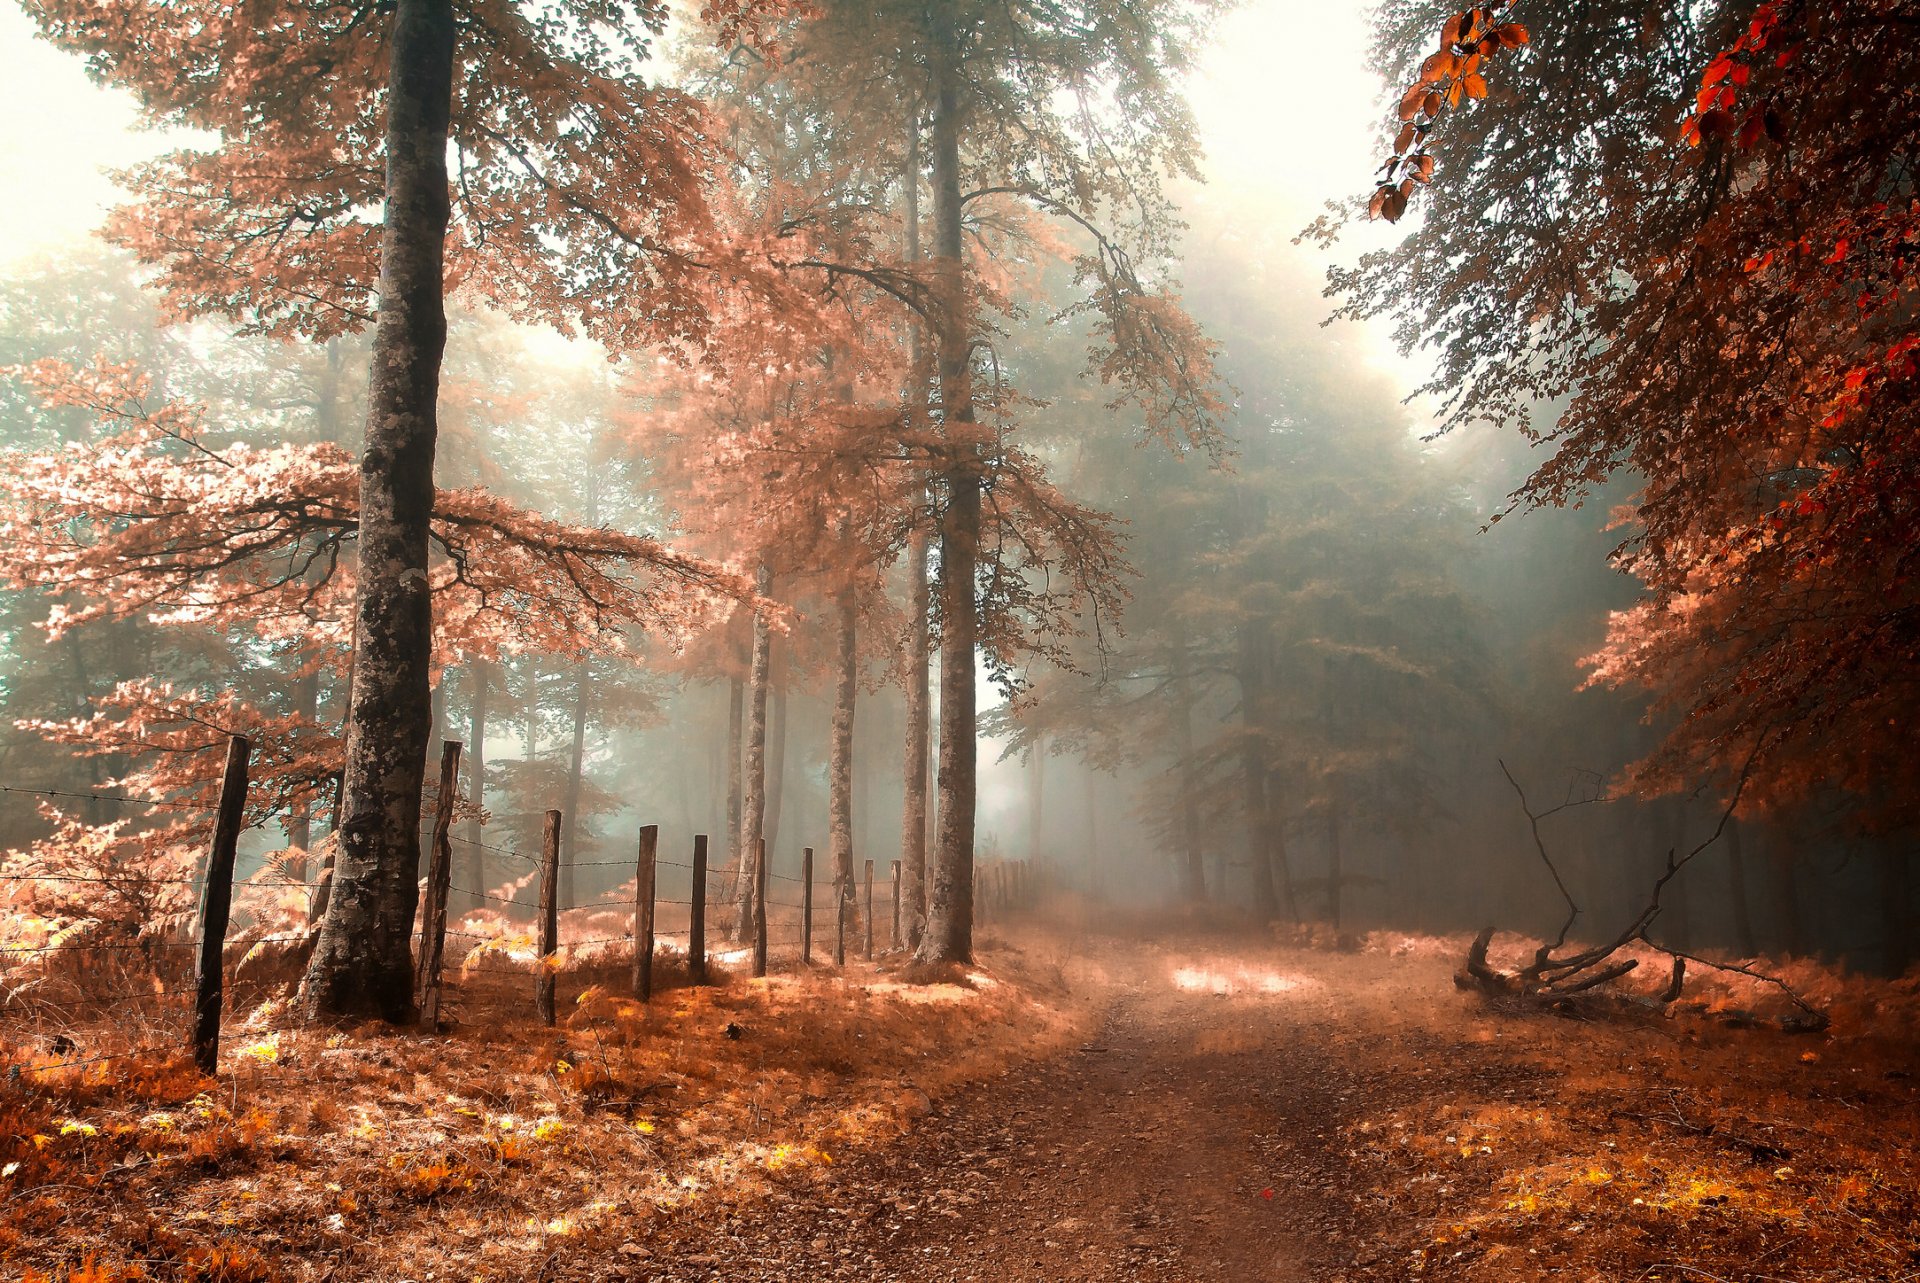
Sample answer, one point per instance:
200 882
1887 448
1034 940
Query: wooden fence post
806 906
759 907
643 881
842 896
549 916
866 939
697 914
433 910
216 904
893 942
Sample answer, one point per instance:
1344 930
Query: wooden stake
216 904
643 881
697 915
759 907
806 906
866 938
549 916
433 910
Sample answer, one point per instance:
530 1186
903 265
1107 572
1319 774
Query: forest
949 640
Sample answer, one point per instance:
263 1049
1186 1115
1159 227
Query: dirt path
1197 1138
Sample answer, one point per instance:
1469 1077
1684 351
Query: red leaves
1448 77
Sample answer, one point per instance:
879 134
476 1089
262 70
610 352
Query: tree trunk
846 685
299 827
362 964
913 813
776 764
570 835
736 739
474 867
753 796
949 931
913 806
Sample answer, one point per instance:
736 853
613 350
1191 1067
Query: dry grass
480 1152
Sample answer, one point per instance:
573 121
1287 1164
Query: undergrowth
473 1152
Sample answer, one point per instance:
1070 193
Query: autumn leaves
1451 75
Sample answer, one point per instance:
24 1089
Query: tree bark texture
362 964
846 685
474 866
576 765
753 796
948 937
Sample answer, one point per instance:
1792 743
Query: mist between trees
943 372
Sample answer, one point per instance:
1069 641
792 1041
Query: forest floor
1093 1104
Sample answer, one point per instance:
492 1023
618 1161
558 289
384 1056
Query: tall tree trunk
913 806
299 827
474 868
569 836
949 932
362 964
753 797
914 814
776 765
846 686
736 744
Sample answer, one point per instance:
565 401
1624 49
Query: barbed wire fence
167 986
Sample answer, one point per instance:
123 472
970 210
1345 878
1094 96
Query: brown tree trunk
299 827
753 796
736 739
846 685
362 964
776 763
913 811
474 867
913 808
576 764
949 931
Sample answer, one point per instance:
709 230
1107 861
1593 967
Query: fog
1346 772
